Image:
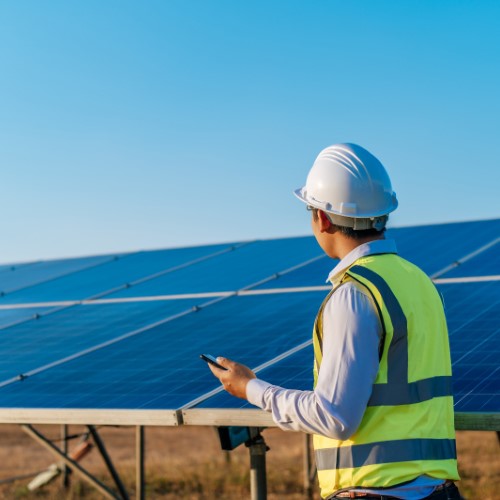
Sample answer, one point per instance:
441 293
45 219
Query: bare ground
187 463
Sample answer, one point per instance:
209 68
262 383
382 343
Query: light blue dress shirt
351 336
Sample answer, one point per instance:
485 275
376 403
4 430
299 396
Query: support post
258 479
139 467
65 468
107 460
102 488
308 467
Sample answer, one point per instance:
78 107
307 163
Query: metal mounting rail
239 293
166 298
466 279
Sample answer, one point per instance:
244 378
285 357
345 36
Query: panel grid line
490 375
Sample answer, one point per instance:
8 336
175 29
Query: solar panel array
123 333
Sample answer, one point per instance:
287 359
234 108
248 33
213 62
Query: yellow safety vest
408 426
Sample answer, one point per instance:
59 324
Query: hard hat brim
301 194
359 223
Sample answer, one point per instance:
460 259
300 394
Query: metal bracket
107 460
75 466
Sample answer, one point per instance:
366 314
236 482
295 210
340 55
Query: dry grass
187 463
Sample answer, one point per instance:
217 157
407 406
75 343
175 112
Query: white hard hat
348 183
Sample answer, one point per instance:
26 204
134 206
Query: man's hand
235 378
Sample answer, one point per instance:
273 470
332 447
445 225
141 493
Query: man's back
407 429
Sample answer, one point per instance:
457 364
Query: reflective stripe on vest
403 450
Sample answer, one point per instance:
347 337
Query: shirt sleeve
351 334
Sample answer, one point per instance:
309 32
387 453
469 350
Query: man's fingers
216 371
234 377
226 363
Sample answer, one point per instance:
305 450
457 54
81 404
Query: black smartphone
210 359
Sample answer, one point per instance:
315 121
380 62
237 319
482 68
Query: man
381 410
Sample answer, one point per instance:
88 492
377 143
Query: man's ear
324 222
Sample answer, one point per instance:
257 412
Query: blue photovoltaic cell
115 273
160 368
313 274
231 271
35 343
11 316
9 267
486 263
434 247
473 312
24 275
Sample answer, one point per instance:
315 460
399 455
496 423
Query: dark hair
355 234
358 234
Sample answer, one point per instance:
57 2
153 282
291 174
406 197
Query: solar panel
445 244
245 266
112 274
314 273
9 317
136 348
473 311
137 372
434 247
485 263
17 277
33 344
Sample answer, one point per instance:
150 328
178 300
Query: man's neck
345 245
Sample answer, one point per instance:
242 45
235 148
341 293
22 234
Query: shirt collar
370 248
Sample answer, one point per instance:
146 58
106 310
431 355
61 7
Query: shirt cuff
255 392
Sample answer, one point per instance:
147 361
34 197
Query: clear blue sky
130 125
